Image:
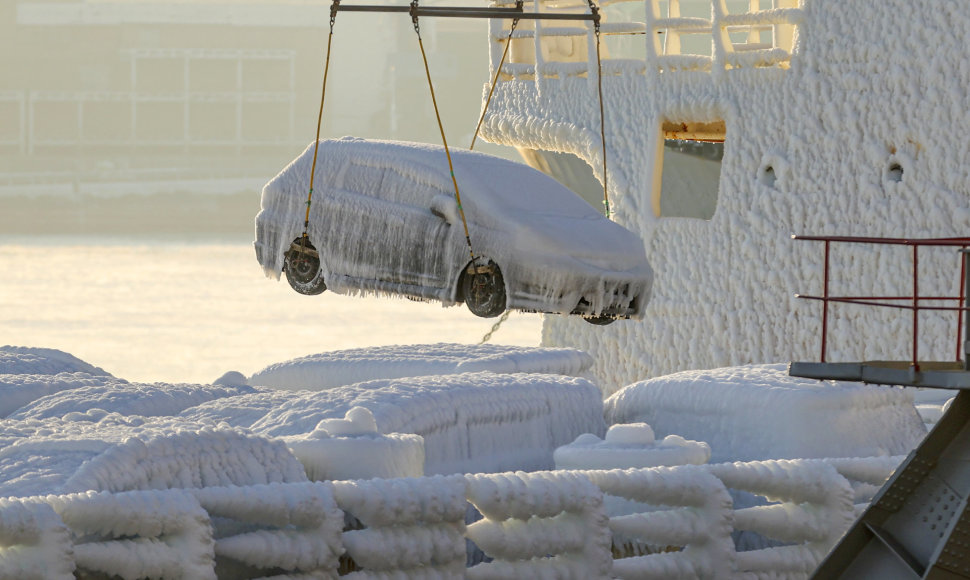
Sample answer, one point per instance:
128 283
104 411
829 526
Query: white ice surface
125 453
760 412
17 390
630 445
352 448
346 367
240 411
148 400
25 360
470 422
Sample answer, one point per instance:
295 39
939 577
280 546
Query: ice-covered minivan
384 220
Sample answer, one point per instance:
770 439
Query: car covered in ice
384 220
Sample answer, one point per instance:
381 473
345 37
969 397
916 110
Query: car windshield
513 189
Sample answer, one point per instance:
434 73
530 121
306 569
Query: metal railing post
916 308
961 301
965 300
825 300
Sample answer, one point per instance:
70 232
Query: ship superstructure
825 117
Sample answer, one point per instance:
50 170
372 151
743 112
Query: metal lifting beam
465 12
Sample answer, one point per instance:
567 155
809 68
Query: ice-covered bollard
352 448
630 445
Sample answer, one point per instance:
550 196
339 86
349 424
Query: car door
421 240
383 235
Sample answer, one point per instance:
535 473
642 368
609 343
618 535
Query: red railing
914 301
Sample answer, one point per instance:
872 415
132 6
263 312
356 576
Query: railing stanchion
825 300
965 301
963 286
916 308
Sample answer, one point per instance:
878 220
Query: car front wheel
484 290
302 268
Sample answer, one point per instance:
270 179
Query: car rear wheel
599 320
484 290
302 268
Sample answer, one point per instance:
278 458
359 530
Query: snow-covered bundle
26 360
814 509
138 534
760 412
292 527
345 367
476 422
545 525
128 453
34 542
87 403
241 410
696 515
410 528
17 390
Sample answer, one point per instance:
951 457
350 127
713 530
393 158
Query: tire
599 320
484 293
303 270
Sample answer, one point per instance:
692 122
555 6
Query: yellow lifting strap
498 71
444 140
316 143
594 10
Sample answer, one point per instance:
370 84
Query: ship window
690 170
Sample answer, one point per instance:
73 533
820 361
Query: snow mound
26 360
148 400
17 390
470 422
759 412
132 453
628 446
346 367
240 411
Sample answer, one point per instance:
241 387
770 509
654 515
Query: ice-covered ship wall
836 117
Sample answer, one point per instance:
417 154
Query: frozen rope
441 127
498 70
316 144
488 335
595 11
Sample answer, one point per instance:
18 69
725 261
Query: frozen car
384 220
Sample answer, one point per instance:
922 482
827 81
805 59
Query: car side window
363 179
406 189
389 183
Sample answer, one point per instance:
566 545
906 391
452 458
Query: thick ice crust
345 367
385 221
759 412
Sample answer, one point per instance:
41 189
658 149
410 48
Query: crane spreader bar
464 12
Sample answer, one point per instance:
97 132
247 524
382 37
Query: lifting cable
316 142
508 43
441 127
595 11
488 101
